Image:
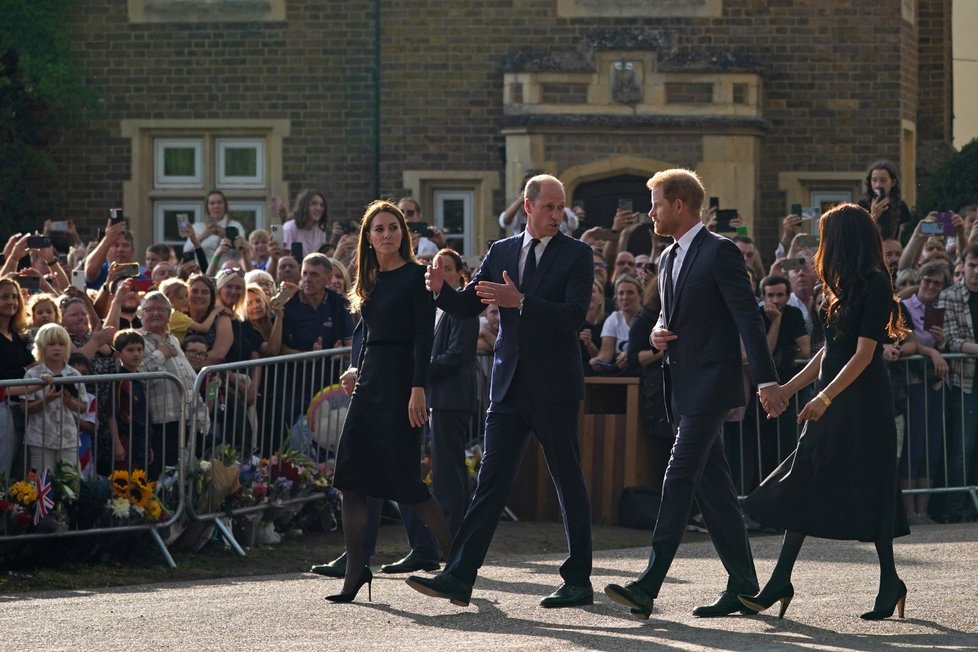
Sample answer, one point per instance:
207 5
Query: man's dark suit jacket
452 374
544 338
713 308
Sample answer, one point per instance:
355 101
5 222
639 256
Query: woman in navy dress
841 480
380 450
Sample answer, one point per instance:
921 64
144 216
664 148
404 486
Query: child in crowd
260 256
43 309
87 420
51 433
129 416
178 294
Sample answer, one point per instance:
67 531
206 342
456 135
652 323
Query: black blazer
452 374
543 340
712 310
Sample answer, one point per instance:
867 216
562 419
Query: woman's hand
120 451
417 408
813 410
940 365
622 361
879 207
891 352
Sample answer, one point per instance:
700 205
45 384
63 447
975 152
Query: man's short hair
319 259
743 239
775 280
931 269
535 183
679 183
127 336
972 251
161 250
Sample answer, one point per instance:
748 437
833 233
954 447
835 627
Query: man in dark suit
537 384
707 309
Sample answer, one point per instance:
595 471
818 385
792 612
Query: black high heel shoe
366 577
765 599
886 604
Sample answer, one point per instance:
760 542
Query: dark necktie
530 267
667 270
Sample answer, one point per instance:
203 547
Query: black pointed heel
766 598
366 577
889 604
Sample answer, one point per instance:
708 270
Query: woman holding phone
213 229
308 224
883 200
841 480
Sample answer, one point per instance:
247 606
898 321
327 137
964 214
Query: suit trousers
508 426
698 468
449 476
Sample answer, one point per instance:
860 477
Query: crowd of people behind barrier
71 309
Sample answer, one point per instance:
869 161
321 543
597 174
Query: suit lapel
512 262
688 261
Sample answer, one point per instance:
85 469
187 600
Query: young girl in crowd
43 309
51 432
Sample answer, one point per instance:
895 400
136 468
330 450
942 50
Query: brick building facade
774 102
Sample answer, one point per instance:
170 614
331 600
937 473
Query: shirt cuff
763 385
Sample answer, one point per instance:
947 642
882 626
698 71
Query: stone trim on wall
205 11
647 9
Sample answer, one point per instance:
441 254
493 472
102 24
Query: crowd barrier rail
277 445
930 434
70 500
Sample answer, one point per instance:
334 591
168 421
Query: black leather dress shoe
727 603
569 595
416 560
633 596
444 586
335 568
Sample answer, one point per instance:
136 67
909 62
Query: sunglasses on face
410 212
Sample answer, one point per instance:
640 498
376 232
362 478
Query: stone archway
599 185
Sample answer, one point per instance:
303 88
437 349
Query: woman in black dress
380 449
841 480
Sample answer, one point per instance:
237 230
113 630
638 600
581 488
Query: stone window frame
140 193
422 185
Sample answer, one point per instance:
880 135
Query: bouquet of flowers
133 499
18 505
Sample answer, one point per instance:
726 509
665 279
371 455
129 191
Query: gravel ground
834 582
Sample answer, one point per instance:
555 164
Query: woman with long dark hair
308 223
380 450
883 200
841 480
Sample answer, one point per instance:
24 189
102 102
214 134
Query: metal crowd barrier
930 424
91 491
269 453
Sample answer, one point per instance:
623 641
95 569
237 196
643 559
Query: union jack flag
45 500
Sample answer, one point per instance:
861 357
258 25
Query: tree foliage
40 95
955 185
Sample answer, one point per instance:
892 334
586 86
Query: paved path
834 582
